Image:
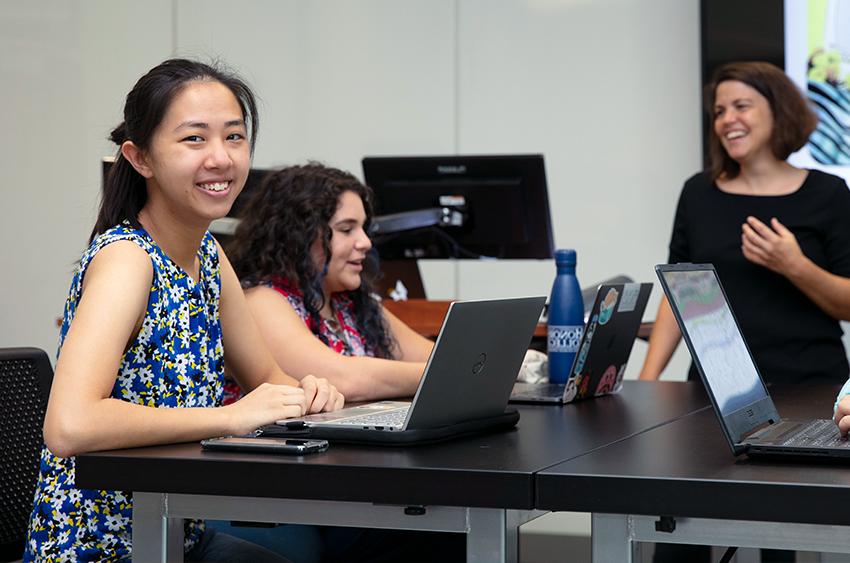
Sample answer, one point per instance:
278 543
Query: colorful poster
817 58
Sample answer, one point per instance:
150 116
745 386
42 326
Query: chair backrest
25 379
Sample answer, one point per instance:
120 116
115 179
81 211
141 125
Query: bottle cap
565 257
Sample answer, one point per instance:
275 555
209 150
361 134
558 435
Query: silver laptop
604 349
464 389
743 406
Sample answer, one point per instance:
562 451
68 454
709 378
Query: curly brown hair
793 118
280 222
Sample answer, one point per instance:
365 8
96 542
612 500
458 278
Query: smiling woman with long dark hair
153 300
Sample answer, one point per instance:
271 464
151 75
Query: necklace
336 328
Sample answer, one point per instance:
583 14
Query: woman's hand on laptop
842 415
321 395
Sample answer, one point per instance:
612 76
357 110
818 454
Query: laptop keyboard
820 433
389 418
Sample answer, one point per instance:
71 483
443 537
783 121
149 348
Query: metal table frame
617 537
492 534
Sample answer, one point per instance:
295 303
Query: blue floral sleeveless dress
177 360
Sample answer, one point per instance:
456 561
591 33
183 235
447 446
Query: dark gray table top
488 470
686 468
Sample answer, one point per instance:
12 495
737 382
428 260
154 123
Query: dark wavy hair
793 118
290 210
125 191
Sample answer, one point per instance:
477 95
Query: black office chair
25 379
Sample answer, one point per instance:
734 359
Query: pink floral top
340 333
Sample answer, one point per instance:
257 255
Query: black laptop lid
718 349
475 361
607 340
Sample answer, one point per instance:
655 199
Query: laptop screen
716 341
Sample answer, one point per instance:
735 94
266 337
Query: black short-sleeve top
791 338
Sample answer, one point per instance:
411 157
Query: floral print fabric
175 361
342 336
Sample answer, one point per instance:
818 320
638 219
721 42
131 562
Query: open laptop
464 389
746 412
604 349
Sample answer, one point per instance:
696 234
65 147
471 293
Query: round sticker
606 309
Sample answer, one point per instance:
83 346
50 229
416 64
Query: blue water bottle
566 317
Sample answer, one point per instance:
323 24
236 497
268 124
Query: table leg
611 539
156 537
493 534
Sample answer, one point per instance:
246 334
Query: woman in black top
779 236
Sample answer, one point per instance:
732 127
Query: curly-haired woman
301 253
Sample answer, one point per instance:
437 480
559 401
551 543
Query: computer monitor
502 202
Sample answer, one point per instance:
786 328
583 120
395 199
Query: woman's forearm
112 423
366 378
662 342
828 291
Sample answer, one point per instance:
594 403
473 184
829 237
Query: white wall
339 80
608 90
65 67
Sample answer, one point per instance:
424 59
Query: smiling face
199 154
349 245
743 121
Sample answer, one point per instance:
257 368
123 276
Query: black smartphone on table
286 446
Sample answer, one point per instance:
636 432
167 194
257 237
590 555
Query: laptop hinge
756 429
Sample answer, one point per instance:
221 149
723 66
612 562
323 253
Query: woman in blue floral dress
141 356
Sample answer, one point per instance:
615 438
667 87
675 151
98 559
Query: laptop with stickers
464 388
738 394
603 350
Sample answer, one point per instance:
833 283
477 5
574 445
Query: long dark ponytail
124 191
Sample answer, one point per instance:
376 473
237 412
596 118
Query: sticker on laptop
606 308
608 381
620 376
582 357
582 353
631 291
570 391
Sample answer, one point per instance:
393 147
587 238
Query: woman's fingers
321 397
293 396
321 394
